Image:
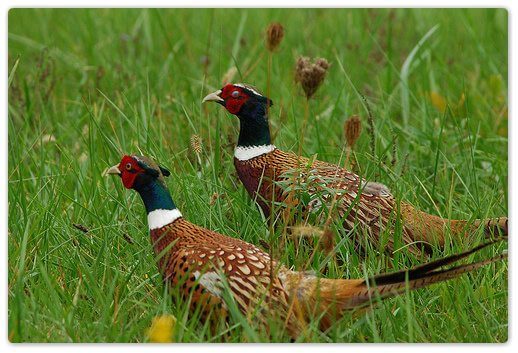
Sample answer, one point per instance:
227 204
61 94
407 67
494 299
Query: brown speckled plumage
212 271
196 259
183 249
362 207
366 205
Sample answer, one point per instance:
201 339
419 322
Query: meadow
89 85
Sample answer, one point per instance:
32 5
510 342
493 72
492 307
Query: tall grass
86 86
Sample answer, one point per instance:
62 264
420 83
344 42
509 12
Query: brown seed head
196 144
328 240
353 129
128 238
215 196
310 75
81 227
274 36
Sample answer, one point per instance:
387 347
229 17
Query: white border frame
5 5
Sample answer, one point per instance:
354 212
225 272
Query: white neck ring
249 152
158 218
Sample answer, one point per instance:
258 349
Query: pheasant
215 270
268 174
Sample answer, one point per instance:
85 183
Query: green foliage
86 86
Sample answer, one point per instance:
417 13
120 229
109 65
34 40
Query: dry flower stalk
274 36
310 75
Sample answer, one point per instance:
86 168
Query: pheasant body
270 176
209 268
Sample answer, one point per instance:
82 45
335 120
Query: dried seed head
215 196
274 36
128 238
310 75
353 129
81 227
302 231
196 144
328 240
322 63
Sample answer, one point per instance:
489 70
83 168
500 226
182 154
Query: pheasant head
239 99
147 178
251 107
138 172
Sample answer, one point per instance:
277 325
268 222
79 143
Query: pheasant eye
235 94
128 166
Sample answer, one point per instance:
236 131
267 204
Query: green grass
86 86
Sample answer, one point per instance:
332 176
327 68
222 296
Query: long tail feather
434 230
389 290
334 296
421 270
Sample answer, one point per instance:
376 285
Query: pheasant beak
213 97
112 170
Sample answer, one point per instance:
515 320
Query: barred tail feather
389 290
430 229
334 296
494 226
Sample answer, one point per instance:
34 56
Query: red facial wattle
233 101
128 176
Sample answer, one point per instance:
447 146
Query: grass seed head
303 231
353 129
196 144
274 36
310 75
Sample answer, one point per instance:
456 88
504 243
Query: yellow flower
438 101
161 330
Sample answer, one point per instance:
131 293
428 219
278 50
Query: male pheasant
268 173
211 268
